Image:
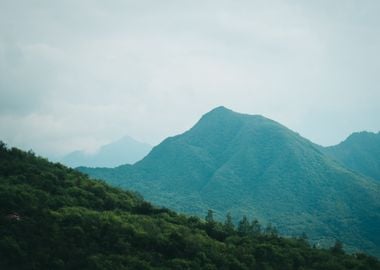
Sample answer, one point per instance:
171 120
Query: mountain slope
359 152
52 217
250 165
124 151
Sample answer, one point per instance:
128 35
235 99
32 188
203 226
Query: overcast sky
78 74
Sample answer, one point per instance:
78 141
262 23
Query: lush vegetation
250 165
53 217
359 152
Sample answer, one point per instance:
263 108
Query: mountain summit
250 165
359 152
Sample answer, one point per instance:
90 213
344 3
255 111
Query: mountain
250 165
359 152
124 151
52 217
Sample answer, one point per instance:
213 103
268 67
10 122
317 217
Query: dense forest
53 217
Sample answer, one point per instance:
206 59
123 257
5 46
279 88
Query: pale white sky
78 74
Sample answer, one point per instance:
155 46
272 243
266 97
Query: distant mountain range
124 151
250 165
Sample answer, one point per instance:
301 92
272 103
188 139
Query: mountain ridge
360 152
254 166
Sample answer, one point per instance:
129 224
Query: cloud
77 74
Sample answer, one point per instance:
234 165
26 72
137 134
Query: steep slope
359 152
52 217
250 165
124 151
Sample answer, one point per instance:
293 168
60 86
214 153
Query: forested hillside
53 217
250 165
360 152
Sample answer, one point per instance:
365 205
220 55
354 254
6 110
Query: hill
53 217
124 151
359 152
250 165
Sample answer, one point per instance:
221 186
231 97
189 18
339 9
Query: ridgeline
253 166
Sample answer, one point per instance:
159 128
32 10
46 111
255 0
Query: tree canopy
53 217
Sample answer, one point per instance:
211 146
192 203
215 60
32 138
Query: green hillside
253 166
359 152
52 217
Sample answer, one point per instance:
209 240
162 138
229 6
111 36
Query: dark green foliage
255 227
52 217
228 224
337 248
249 165
210 217
244 228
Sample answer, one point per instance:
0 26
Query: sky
77 74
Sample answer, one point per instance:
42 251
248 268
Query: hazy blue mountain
359 152
250 165
124 151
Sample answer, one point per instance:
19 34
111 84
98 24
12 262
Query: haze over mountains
250 165
123 151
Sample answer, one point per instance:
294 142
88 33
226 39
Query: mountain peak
361 137
224 111
221 118
363 133
359 152
253 166
220 109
